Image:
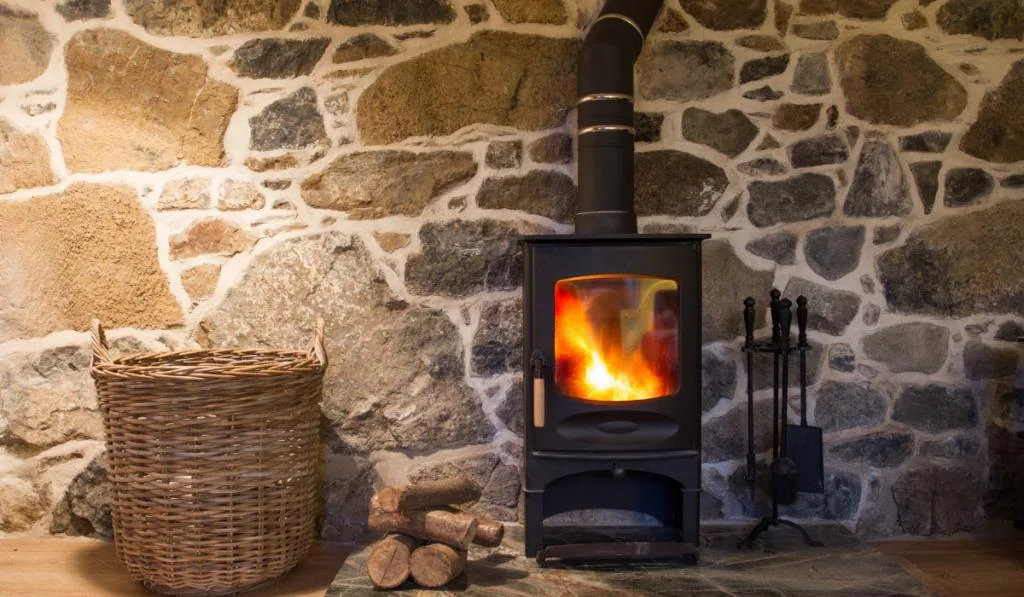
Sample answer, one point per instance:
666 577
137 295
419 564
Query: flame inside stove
616 337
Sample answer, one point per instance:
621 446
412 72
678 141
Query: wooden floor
64 567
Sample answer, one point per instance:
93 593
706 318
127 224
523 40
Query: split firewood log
389 563
489 532
435 564
428 494
454 528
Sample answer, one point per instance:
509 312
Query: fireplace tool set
797 463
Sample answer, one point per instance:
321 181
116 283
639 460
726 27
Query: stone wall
201 174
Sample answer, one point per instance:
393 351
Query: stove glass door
616 337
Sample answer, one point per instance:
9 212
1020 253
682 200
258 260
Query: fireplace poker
784 468
748 324
775 308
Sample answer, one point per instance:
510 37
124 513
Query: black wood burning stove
612 340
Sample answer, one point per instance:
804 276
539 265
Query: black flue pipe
605 116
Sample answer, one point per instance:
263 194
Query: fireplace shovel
803 442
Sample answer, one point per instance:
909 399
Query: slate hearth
780 566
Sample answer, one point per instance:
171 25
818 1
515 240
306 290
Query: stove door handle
537 369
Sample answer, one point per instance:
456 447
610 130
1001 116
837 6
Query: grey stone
730 208
498 343
803 197
926 177
886 234
729 132
769 142
811 76
842 495
362 47
991 19
829 310
278 58
982 361
376 184
48 398
998 133
976 329
783 13
499 482
937 499
832 115
414 397
834 251
891 81
389 12
685 70
725 437
1013 181
293 122
855 9
718 379
464 257
821 30
211 19
726 15
762 167
676 183
867 283
762 68
672 22
763 94
915 346
648 126
966 186
1010 331
841 405
935 408
779 247
880 450
477 13
532 11
543 192
726 282
818 151
504 154
85 508
796 117
555 148
311 11
510 410
528 87
960 265
348 486
957 446
927 142
79 10
879 186
761 43
842 358
913 20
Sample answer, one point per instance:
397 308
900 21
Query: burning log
436 564
443 526
417 496
389 563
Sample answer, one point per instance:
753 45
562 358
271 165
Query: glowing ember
615 338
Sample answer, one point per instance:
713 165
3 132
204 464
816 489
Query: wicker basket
213 461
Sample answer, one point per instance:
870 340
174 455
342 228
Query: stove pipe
605 116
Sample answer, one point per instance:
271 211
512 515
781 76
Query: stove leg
753 534
691 512
534 514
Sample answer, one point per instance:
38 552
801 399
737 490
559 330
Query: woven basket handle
318 350
100 352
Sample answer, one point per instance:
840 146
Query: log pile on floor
428 535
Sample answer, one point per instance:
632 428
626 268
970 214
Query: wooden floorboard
65 567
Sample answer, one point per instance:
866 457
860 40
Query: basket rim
256 363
